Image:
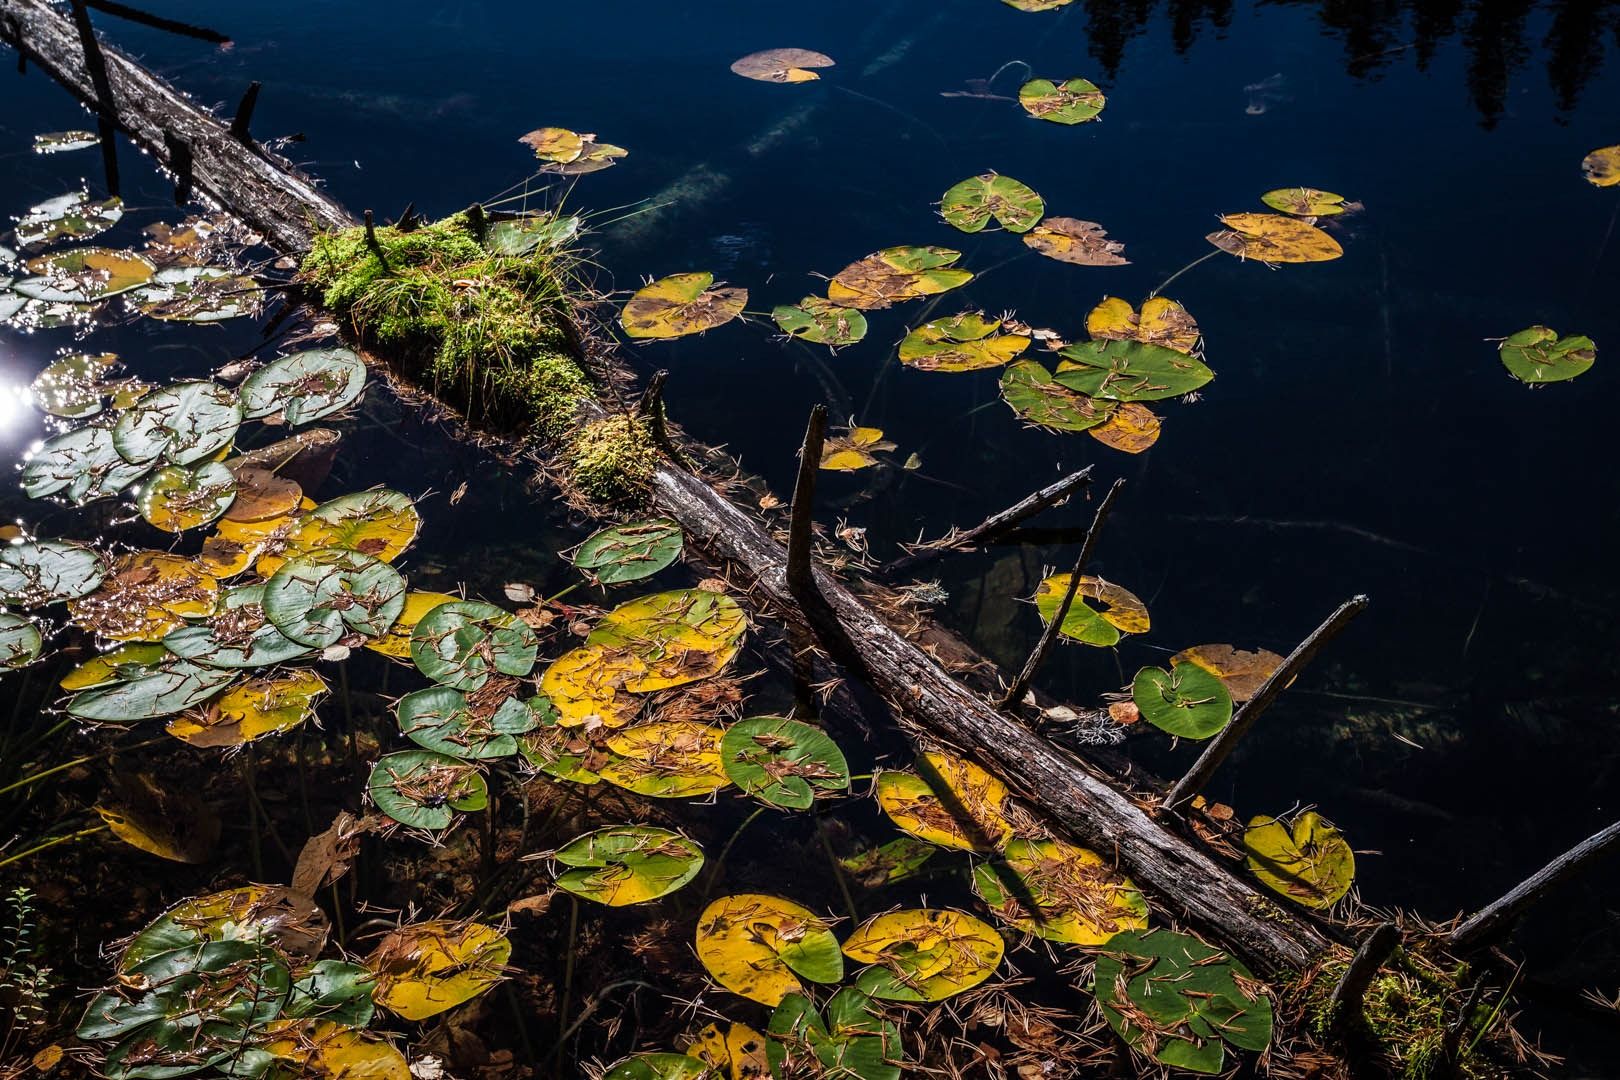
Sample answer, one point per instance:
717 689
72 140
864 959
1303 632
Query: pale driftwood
1497 918
289 209
992 526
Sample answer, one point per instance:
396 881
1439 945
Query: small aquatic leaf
1041 400
423 789
475 727
587 686
1070 240
40 572
261 495
318 600
886 864
895 274
183 423
71 386
333 1050
735 1053
666 759
1037 5
556 145
681 304
661 1066
966 342
976 201
854 1042
1539 355
83 275
172 825
1602 167
1077 896
1242 672
1160 322
854 449
20 641
1310 863
520 236
595 157
1186 701
783 762
75 216
759 946
304 386
198 294
396 643
61 142
268 915
630 552
466 643
680 636
1130 370
948 801
782 65
627 864
923 954
380 523
252 710
429 967
819 320
1072 102
179 498
82 465
1122 612
1133 428
1274 238
236 635
1305 202
147 594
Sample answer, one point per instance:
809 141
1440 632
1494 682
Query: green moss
492 335
613 459
1406 1017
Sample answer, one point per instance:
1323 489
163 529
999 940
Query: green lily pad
148 693
424 790
661 1067
198 294
451 723
1130 371
1539 355
333 990
976 201
237 635
965 342
1186 701
83 275
519 236
817 319
83 465
557 751
627 864
304 386
183 423
1073 102
62 142
1305 202
895 274
1041 400
267 915
41 572
317 601
854 1042
75 216
20 640
71 387
179 498
630 552
783 762
886 864
464 644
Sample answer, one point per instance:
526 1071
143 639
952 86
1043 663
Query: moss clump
1406 1018
613 459
490 334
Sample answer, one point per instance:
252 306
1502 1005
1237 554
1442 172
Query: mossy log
269 194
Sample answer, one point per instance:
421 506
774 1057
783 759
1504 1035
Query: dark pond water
1361 434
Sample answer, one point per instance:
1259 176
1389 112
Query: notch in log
1500 916
374 244
1345 1005
651 406
1020 685
478 222
801 575
994 525
1224 743
242 124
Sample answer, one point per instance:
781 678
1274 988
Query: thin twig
993 525
1499 916
801 581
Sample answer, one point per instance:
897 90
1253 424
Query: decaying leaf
429 967
1119 610
1274 238
948 801
681 304
923 954
1132 429
854 449
1602 166
1161 321
1083 243
1243 672
896 274
1060 892
782 65
970 341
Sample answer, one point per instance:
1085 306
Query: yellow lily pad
948 801
1242 672
587 686
1070 240
252 710
667 759
148 594
1310 863
1274 238
681 304
1132 428
681 636
1060 892
172 825
1122 612
429 967
1161 321
854 449
924 954
1602 166
759 946
326 1050
736 1051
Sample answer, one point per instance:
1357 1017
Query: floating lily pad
182 423
1539 355
783 762
20 640
424 969
148 594
1161 321
923 954
630 552
1041 400
1037 5
966 342
265 915
131 658
948 801
681 636
304 386
1305 202
1274 238
62 142
556 145
1130 371
423 789
666 759
466 643
561 752
681 304
627 864
150 692
179 498
782 65
1242 672
896 274
71 386
901 858
660 1066
520 236
198 294
588 686
237 635
1602 167
39 572
396 643
261 495
759 946
83 275
82 465
1133 428
853 449
380 523
1309 863
319 601
337 992
855 1041
735 1052
819 320
595 157
332 1050
75 216
978 200
1060 892
1119 610
475 727
1185 701
251 710
1072 102
1070 240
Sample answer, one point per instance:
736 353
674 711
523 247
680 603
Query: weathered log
1345 1006
265 191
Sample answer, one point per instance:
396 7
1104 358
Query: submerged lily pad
1041 400
423 789
1130 370
148 594
1274 238
82 465
1539 355
976 201
75 216
782 65
896 274
1310 863
304 386
681 304
71 385
466 643
627 864
1186 701
630 552
179 498
759 946
83 275
520 236
1072 102
39 572
20 640
783 762
1242 672
62 142
966 342
1070 240
819 320
182 423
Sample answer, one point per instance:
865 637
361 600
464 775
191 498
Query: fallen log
288 208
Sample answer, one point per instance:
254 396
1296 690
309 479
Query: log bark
267 193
